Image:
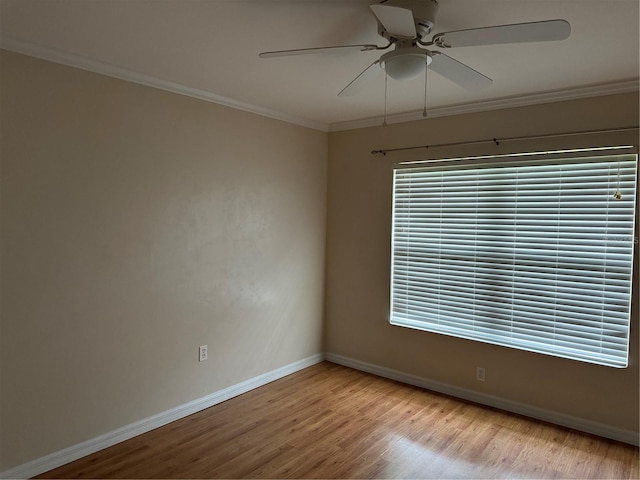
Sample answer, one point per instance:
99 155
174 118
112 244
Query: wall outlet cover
202 353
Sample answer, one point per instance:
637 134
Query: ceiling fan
406 25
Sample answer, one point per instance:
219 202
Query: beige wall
138 224
358 258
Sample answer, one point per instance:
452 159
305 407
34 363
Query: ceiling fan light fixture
405 63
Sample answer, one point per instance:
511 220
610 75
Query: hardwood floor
329 421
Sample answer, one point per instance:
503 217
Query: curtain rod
497 141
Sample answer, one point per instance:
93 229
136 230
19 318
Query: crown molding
92 65
626 86
96 66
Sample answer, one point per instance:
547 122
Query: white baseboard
61 457
588 426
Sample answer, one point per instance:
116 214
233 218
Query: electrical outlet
202 353
480 374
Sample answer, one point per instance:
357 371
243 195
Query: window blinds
530 254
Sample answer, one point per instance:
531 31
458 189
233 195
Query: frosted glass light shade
405 63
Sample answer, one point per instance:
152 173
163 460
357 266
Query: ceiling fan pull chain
426 75
386 79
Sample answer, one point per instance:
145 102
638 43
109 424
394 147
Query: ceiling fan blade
458 72
357 83
397 21
544 31
307 51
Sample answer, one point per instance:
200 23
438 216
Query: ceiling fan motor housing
424 15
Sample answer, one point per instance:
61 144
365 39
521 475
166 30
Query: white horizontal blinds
535 256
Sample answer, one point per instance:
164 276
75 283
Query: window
528 251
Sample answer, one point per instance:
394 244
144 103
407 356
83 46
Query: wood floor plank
329 421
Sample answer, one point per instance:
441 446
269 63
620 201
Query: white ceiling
209 49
